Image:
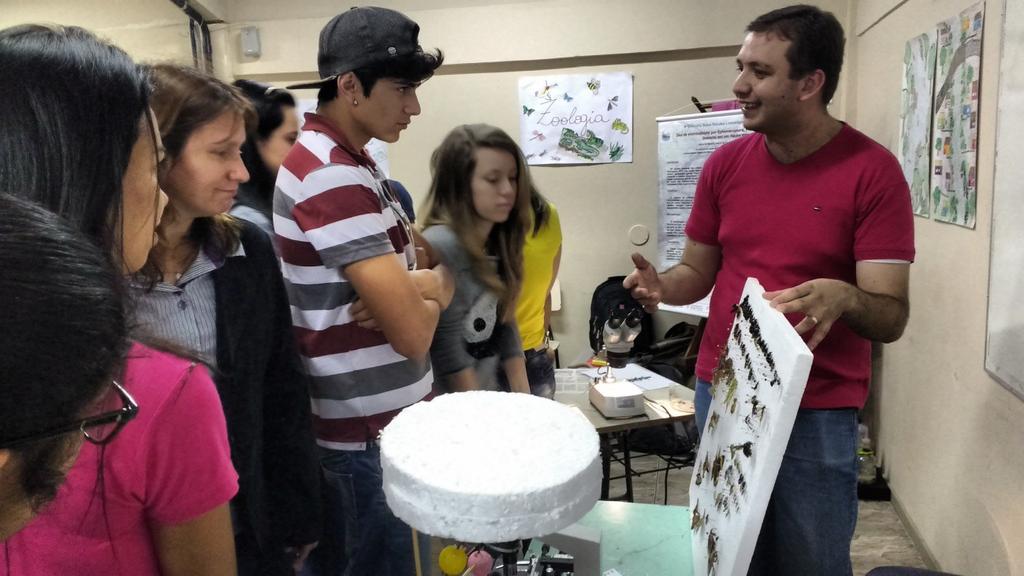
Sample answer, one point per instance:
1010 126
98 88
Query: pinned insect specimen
697 520
722 503
712 422
756 417
747 448
716 468
594 85
712 551
527 110
613 102
723 372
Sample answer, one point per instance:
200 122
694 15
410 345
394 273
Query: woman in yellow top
541 256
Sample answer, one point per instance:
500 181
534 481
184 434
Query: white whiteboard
1004 350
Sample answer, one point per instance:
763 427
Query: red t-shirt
785 224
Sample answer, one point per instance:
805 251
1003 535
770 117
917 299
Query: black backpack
611 298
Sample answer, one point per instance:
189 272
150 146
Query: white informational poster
756 392
684 143
375 148
576 118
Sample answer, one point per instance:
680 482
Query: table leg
606 463
624 443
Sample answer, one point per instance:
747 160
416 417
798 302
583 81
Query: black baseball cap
362 36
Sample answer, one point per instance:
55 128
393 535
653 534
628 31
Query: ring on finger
812 318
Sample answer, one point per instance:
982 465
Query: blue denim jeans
361 534
812 513
540 371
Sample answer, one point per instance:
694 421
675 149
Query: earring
355 102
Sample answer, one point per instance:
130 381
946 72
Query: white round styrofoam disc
488 467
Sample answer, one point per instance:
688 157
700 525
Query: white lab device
617 398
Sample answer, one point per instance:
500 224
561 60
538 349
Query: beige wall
149 30
951 437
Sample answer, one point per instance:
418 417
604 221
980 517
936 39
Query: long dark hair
450 202
269 103
70 115
65 335
185 99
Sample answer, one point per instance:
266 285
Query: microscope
612 397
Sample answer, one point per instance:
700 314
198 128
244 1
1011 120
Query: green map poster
955 127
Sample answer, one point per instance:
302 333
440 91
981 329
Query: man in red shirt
820 214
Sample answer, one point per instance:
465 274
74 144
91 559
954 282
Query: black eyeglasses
98 429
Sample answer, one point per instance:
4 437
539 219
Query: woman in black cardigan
213 286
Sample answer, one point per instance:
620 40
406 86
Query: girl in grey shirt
475 219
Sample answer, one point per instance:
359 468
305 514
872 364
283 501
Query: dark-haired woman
475 218
61 302
131 505
213 285
266 145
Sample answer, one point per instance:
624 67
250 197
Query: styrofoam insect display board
756 391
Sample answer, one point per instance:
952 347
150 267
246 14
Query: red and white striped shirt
331 209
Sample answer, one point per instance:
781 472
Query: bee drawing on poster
756 390
576 118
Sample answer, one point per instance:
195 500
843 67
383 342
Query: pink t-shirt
785 224
169 465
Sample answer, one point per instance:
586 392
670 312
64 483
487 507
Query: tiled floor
880 538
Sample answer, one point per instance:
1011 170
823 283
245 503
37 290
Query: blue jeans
540 371
361 534
812 513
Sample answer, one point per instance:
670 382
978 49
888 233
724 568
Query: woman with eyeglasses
475 219
58 289
79 140
212 284
266 145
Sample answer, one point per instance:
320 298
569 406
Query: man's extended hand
822 301
643 283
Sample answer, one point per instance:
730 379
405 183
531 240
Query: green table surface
642 539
